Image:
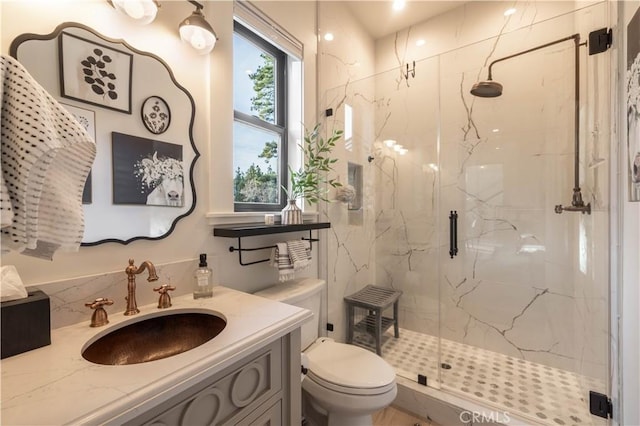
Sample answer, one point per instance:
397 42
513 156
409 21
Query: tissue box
26 324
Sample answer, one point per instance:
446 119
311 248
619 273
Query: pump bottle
203 280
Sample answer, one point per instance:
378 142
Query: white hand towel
47 156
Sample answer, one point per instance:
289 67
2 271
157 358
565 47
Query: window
260 122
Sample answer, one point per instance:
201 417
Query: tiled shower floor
534 391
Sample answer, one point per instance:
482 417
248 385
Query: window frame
281 117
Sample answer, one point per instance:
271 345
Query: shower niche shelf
242 230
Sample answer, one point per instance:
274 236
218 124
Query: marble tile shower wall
528 282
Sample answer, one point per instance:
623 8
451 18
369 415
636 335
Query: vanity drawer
272 416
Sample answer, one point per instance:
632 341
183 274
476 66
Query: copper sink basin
154 338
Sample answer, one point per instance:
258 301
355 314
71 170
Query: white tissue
11 287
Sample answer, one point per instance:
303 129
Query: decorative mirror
141 182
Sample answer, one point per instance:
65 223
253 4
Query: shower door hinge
600 40
600 405
422 379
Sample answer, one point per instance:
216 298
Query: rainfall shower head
487 89
491 89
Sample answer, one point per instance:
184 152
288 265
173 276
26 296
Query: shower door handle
453 233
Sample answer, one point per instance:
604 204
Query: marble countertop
55 385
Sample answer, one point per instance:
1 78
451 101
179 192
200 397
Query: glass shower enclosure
517 317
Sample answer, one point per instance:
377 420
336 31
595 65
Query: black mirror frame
13 51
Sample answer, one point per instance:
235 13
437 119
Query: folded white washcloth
299 253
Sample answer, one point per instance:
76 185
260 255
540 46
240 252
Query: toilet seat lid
349 366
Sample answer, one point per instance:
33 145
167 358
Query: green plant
310 180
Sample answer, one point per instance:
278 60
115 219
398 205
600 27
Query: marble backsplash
67 297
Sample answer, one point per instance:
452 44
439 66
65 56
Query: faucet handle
99 317
165 299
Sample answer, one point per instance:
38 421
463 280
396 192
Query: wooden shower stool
375 300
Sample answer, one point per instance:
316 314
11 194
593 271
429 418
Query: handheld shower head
487 89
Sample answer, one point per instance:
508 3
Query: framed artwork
87 119
633 105
156 115
94 73
147 172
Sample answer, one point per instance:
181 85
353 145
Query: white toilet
344 384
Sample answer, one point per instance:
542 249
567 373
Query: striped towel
290 257
280 260
299 253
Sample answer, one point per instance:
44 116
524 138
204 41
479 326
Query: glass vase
291 214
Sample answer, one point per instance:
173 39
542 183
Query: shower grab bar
453 233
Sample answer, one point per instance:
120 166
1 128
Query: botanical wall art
147 171
87 119
156 115
94 73
633 105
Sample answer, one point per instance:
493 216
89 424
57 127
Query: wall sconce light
142 12
196 31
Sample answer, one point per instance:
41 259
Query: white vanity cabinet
260 389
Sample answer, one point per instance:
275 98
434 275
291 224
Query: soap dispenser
203 280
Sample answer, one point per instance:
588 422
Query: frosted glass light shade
141 11
196 31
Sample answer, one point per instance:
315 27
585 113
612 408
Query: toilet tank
305 293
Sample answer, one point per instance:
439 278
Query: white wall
208 79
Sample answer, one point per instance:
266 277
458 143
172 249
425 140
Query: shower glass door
393 122
524 303
407 220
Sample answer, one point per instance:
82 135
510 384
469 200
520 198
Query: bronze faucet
132 271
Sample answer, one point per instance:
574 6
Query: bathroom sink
154 338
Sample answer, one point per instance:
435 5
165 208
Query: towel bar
239 249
